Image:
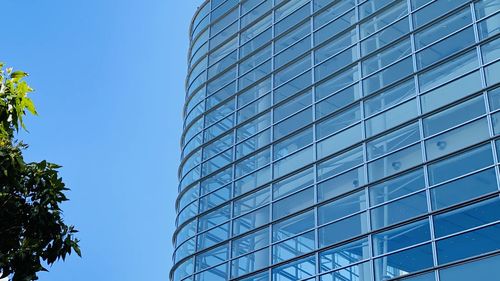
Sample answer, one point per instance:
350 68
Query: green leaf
18 74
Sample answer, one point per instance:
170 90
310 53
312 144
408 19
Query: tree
32 230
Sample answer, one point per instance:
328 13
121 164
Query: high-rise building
343 140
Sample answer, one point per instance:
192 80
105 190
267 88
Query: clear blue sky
109 78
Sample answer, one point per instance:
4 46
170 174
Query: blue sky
109 78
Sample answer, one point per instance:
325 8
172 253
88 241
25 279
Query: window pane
400 210
293 183
293 162
343 230
389 97
339 141
294 247
342 207
251 221
393 141
451 92
250 263
293 225
395 163
464 189
391 118
340 163
252 201
397 187
467 217
457 139
401 237
295 270
359 272
341 184
461 164
250 242
297 202
482 269
344 255
338 121
293 143
403 263
469 244
337 101
212 257
293 105
453 116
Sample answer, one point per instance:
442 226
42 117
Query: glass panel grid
389 97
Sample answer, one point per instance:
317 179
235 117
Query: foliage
31 226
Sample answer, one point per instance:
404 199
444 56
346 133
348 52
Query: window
293 225
472 243
352 226
296 270
342 207
403 263
397 187
293 183
464 189
399 210
250 242
252 201
294 203
344 255
401 237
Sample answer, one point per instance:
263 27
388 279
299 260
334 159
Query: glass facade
341 140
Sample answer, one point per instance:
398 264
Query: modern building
344 140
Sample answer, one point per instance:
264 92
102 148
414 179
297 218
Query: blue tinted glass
251 221
250 263
212 257
338 121
219 273
342 207
469 244
457 139
337 101
294 203
484 269
399 210
341 184
293 225
296 270
498 148
340 163
453 116
404 262
293 183
294 247
358 272
397 187
344 255
401 237
393 141
250 242
467 217
460 164
396 162
342 230
464 189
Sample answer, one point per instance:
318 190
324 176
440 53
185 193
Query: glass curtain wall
341 140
